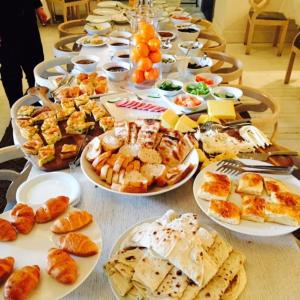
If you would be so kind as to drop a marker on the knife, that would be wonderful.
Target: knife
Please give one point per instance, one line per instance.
(265, 156)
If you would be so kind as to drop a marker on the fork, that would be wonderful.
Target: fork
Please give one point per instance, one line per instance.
(67, 82)
(215, 126)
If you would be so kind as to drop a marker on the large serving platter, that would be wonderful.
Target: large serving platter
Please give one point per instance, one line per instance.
(248, 227)
(33, 248)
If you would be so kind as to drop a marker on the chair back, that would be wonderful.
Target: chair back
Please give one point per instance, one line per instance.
(232, 72)
(67, 46)
(214, 42)
(258, 5)
(73, 27)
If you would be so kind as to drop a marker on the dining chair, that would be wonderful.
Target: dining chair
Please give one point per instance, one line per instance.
(15, 178)
(225, 65)
(257, 16)
(256, 101)
(295, 50)
(67, 46)
(73, 27)
(214, 42)
(70, 6)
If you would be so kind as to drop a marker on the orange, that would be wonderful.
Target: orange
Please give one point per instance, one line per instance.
(152, 74)
(134, 55)
(154, 44)
(144, 64)
(155, 56)
(142, 49)
(138, 76)
(137, 38)
(147, 31)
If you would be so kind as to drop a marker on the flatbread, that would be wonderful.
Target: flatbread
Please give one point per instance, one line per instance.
(169, 216)
(120, 283)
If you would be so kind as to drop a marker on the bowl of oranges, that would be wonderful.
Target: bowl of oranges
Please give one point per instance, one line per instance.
(145, 55)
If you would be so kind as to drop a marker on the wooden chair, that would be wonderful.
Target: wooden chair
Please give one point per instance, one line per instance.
(214, 42)
(258, 101)
(257, 16)
(67, 46)
(229, 73)
(70, 6)
(74, 27)
(295, 50)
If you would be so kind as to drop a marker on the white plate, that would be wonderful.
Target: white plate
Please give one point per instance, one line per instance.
(80, 42)
(89, 172)
(33, 248)
(98, 19)
(110, 4)
(105, 11)
(43, 187)
(248, 227)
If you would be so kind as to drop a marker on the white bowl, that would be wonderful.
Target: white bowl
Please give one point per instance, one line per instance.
(167, 67)
(112, 44)
(85, 67)
(122, 34)
(237, 93)
(204, 62)
(214, 77)
(117, 76)
(172, 35)
(117, 57)
(185, 108)
(184, 47)
(175, 18)
(193, 83)
(97, 28)
(188, 36)
(169, 93)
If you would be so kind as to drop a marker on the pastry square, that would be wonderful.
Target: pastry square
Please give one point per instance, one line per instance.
(79, 128)
(214, 187)
(81, 100)
(33, 145)
(286, 199)
(251, 183)
(67, 103)
(68, 151)
(274, 185)
(98, 112)
(224, 211)
(88, 107)
(107, 123)
(253, 208)
(76, 117)
(28, 132)
(24, 122)
(46, 154)
(52, 135)
(281, 214)
(43, 116)
(26, 110)
(48, 123)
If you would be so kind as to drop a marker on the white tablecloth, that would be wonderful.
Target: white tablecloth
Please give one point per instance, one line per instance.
(273, 264)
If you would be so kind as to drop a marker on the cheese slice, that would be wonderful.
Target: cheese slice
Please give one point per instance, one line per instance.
(169, 118)
(222, 109)
(185, 124)
(206, 118)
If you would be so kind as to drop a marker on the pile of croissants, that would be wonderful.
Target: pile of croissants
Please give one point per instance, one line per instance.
(60, 265)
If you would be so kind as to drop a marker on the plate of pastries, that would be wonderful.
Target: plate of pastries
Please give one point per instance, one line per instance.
(46, 251)
(147, 262)
(251, 203)
(52, 138)
(140, 157)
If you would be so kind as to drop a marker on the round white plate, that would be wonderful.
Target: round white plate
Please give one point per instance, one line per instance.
(248, 227)
(80, 42)
(89, 172)
(43, 187)
(105, 11)
(32, 249)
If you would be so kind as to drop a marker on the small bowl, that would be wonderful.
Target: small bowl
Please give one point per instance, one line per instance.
(119, 53)
(184, 47)
(204, 62)
(169, 93)
(209, 76)
(85, 63)
(235, 92)
(171, 35)
(117, 75)
(97, 28)
(191, 94)
(116, 44)
(200, 100)
(180, 18)
(167, 67)
(185, 35)
(122, 34)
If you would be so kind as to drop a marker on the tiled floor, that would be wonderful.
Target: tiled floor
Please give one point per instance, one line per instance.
(263, 70)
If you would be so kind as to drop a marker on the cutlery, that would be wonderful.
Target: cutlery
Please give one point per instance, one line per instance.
(216, 126)
(266, 155)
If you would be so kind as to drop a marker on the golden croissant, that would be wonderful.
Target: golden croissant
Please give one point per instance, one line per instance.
(78, 244)
(24, 218)
(73, 221)
(21, 283)
(61, 266)
(52, 209)
(6, 267)
(7, 231)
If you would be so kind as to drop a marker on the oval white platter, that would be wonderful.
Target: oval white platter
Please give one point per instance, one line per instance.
(32, 249)
(248, 227)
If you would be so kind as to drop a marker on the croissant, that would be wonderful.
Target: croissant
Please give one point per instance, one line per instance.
(7, 231)
(24, 218)
(78, 244)
(21, 283)
(52, 209)
(61, 266)
(6, 267)
(73, 221)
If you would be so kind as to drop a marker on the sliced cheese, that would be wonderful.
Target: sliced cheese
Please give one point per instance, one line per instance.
(169, 118)
(185, 124)
(206, 118)
(222, 109)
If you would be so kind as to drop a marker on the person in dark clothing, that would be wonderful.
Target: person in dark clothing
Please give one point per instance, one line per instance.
(20, 44)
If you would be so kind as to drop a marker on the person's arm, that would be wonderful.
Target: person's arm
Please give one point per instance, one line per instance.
(37, 4)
